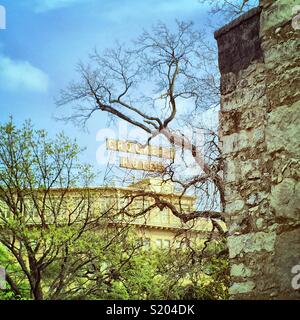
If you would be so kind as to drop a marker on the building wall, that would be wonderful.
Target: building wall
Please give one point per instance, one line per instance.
(260, 137)
(158, 228)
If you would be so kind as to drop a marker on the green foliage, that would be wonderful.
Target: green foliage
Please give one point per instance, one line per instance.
(8, 262)
(160, 274)
(50, 251)
(147, 274)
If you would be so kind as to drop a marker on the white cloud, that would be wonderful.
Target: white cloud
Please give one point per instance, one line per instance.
(47, 5)
(21, 75)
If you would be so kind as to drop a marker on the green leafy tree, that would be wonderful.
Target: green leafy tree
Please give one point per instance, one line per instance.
(170, 274)
(50, 243)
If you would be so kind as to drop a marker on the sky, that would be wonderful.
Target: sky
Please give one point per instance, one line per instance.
(45, 39)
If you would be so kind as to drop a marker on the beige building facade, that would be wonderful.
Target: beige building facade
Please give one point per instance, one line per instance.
(132, 206)
(156, 228)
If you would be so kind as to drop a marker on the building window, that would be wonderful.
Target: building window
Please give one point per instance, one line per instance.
(158, 243)
(166, 244)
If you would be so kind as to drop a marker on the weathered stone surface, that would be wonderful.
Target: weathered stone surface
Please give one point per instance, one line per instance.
(229, 143)
(255, 198)
(258, 135)
(283, 130)
(251, 169)
(260, 142)
(280, 52)
(277, 13)
(231, 120)
(285, 199)
(240, 270)
(242, 287)
(231, 172)
(245, 98)
(244, 139)
(228, 83)
(239, 48)
(259, 223)
(286, 258)
(235, 206)
(251, 242)
(252, 118)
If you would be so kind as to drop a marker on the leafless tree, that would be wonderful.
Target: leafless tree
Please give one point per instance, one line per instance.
(149, 86)
(229, 9)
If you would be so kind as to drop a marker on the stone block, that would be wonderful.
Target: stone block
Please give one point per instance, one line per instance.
(235, 206)
(231, 171)
(283, 129)
(241, 287)
(251, 242)
(277, 13)
(285, 199)
(240, 270)
(260, 123)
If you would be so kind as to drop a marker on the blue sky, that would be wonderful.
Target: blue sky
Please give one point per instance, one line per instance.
(44, 39)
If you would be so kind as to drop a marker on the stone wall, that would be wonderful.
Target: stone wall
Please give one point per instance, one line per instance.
(259, 60)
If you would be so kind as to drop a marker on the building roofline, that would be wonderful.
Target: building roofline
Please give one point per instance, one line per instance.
(111, 188)
(236, 22)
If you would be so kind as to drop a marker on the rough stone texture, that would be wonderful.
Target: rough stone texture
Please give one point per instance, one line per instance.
(251, 242)
(240, 270)
(242, 287)
(260, 132)
(239, 47)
